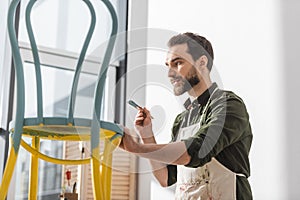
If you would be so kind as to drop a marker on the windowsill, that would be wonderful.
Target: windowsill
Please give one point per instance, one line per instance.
(61, 59)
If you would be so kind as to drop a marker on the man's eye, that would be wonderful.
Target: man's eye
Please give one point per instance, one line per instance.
(178, 63)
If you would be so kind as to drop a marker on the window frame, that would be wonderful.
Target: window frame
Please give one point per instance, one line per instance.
(68, 60)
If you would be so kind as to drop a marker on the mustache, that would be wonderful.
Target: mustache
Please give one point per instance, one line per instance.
(176, 78)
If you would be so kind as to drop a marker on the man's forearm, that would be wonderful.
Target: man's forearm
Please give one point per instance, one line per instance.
(160, 170)
(160, 154)
(172, 153)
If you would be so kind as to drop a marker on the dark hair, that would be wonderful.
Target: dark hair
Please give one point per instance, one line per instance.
(197, 46)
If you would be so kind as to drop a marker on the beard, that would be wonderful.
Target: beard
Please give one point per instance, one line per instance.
(183, 85)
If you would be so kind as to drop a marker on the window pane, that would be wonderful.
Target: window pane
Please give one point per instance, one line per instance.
(56, 25)
(49, 174)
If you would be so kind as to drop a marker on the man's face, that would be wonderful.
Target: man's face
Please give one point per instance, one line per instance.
(182, 73)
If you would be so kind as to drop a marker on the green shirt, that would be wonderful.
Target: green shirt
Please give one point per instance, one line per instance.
(225, 134)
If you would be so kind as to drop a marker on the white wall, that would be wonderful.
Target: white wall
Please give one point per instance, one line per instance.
(290, 21)
(251, 57)
(5, 64)
(136, 79)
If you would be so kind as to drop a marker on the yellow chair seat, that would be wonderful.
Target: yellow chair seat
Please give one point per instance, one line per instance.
(64, 132)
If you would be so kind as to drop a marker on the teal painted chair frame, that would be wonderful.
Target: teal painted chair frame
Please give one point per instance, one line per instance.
(60, 128)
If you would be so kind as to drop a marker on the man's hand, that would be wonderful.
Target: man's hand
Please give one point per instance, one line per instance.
(143, 123)
(128, 142)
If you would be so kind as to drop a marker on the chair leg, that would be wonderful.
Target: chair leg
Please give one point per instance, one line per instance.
(8, 172)
(96, 175)
(106, 169)
(34, 166)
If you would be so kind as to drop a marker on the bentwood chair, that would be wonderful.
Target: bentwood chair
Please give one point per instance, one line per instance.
(66, 128)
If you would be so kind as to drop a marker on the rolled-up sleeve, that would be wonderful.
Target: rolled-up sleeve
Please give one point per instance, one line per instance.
(224, 124)
(172, 174)
(172, 169)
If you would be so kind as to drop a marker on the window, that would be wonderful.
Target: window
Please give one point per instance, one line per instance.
(56, 25)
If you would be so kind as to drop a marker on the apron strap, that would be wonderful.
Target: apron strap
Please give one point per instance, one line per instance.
(239, 174)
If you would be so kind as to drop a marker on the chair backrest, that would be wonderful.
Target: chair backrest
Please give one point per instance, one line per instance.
(20, 85)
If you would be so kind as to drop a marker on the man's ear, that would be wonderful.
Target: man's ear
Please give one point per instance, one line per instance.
(202, 62)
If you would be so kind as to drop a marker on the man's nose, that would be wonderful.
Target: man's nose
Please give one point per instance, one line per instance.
(172, 72)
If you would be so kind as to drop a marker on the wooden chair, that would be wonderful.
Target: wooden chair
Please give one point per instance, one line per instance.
(62, 128)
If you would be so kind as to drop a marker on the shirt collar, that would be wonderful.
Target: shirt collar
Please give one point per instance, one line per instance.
(202, 99)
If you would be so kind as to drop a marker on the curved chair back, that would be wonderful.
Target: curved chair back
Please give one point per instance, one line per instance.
(19, 68)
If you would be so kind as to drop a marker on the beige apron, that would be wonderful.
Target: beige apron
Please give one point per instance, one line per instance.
(213, 181)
